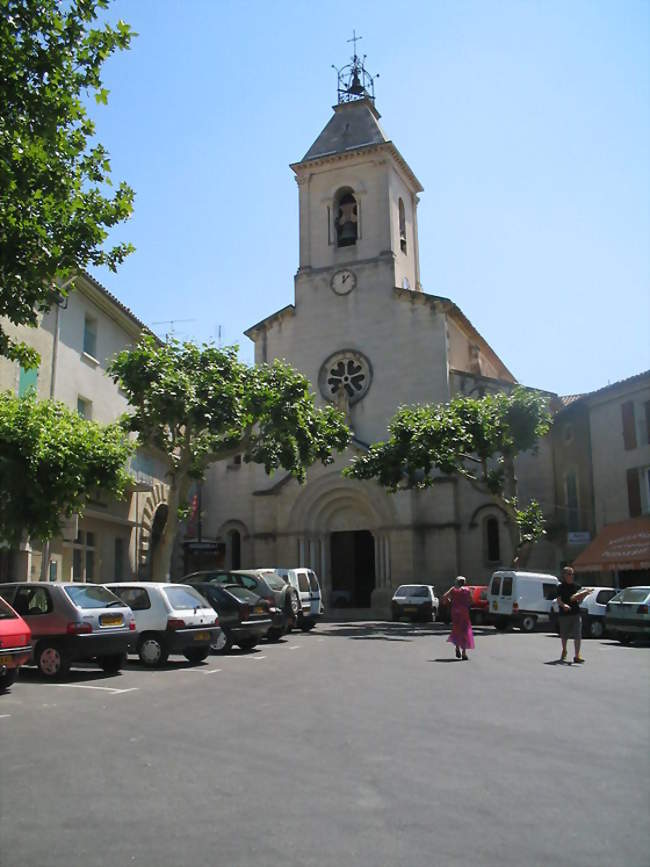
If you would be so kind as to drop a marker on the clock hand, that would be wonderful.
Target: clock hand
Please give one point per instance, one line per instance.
(344, 278)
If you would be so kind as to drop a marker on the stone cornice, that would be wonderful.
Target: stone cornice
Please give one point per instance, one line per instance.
(278, 316)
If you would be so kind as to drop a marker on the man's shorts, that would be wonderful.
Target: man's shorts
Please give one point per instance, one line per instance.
(570, 626)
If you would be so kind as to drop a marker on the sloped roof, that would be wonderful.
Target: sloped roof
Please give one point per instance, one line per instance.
(352, 126)
(569, 399)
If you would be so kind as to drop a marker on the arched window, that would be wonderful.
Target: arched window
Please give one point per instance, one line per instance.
(402, 227)
(235, 549)
(492, 540)
(346, 219)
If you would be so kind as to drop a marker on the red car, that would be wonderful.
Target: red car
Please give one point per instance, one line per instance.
(15, 644)
(477, 612)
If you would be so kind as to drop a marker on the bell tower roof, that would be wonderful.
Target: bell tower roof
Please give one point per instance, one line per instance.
(354, 125)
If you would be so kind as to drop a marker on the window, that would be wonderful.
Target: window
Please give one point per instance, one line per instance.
(84, 407)
(402, 227)
(92, 597)
(184, 597)
(83, 557)
(638, 491)
(549, 591)
(346, 219)
(604, 596)
(492, 540)
(135, 597)
(629, 429)
(118, 568)
(496, 585)
(303, 582)
(506, 590)
(27, 381)
(32, 601)
(571, 497)
(90, 336)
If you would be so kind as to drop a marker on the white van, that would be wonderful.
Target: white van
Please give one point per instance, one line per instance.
(520, 598)
(306, 583)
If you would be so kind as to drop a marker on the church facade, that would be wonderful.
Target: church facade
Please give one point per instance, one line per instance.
(369, 339)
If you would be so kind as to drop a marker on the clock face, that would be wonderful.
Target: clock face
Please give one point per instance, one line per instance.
(343, 281)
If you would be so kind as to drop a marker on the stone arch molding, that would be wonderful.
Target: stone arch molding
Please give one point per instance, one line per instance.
(157, 497)
(334, 503)
(229, 526)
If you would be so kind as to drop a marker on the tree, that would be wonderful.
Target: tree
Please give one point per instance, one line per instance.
(54, 216)
(197, 405)
(51, 462)
(475, 438)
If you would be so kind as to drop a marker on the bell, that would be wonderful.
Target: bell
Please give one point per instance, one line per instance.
(347, 234)
(355, 87)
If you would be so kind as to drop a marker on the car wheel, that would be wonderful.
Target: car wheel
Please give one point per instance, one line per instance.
(293, 602)
(197, 655)
(8, 678)
(152, 651)
(111, 664)
(307, 625)
(527, 623)
(223, 643)
(596, 628)
(247, 643)
(52, 661)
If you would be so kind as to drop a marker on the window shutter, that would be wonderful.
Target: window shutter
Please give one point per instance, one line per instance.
(634, 493)
(629, 432)
(647, 421)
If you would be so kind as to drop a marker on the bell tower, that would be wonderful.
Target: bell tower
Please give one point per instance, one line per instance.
(357, 195)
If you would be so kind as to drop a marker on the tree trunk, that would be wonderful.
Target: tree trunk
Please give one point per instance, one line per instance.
(510, 493)
(178, 489)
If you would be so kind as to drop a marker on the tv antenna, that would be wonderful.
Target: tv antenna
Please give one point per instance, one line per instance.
(171, 323)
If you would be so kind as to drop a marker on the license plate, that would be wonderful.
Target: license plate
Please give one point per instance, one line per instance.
(495, 606)
(111, 620)
(202, 636)
(6, 660)
(410, 608)
(259, 609)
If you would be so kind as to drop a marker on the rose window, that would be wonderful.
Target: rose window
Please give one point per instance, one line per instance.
(345, 376)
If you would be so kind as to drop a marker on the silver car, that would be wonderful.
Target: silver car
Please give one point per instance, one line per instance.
(70, 622)
(628, 614)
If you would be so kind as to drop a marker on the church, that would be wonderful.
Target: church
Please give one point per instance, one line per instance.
(369, 339)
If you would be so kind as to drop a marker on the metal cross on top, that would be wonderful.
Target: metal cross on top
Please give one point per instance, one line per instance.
(355, 39)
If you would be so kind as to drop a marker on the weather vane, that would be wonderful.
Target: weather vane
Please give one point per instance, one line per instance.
(354, 81)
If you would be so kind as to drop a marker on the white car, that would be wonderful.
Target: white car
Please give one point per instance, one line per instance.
(169, 618)
(415, 601)
(628, 614)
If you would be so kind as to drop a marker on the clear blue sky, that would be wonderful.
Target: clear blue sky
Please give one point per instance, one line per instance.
(526, 122)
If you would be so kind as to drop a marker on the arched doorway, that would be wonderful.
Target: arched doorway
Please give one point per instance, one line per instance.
(352, 567)
(234, 539)
(157, 570)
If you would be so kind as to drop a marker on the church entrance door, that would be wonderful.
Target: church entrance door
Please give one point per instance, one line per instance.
(353, 568)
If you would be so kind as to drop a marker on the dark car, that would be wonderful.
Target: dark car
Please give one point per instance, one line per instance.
(243, 616)
(72, 621)
(282, 599)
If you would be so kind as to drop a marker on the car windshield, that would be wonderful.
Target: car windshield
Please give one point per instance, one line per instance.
(6, 613)
(184, 597)
(405, 590)
(92, 596)
(633, 594)
(242, 594)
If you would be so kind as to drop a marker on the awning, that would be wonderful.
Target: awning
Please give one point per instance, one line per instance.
(618, 547)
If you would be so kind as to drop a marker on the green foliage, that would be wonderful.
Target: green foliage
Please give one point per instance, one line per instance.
(200, 404)
(51, 462)
(54, 215)
(477, 438)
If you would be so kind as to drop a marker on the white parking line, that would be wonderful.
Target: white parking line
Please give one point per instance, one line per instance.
(113, 690)
(5, 715)
(199, 670)
(294, 647)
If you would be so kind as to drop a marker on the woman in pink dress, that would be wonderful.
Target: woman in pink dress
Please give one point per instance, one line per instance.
(461, 635)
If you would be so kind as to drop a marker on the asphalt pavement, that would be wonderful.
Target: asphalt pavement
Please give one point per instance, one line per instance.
(357, 744)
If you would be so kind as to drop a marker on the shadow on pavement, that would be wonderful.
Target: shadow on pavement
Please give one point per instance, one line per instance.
(80, 674)
(389, 631)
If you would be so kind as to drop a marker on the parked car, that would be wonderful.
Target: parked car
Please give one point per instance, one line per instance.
(592, 609)
(71, 622)
(169, 618)
(244, 617)
(282, 600)
(15, 644)
(415, 601)
(478, 611)
(628, 614)
(520, 598)
(305, 583)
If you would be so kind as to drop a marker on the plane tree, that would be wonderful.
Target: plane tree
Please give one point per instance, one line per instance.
(476, 439)
(197, 405)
